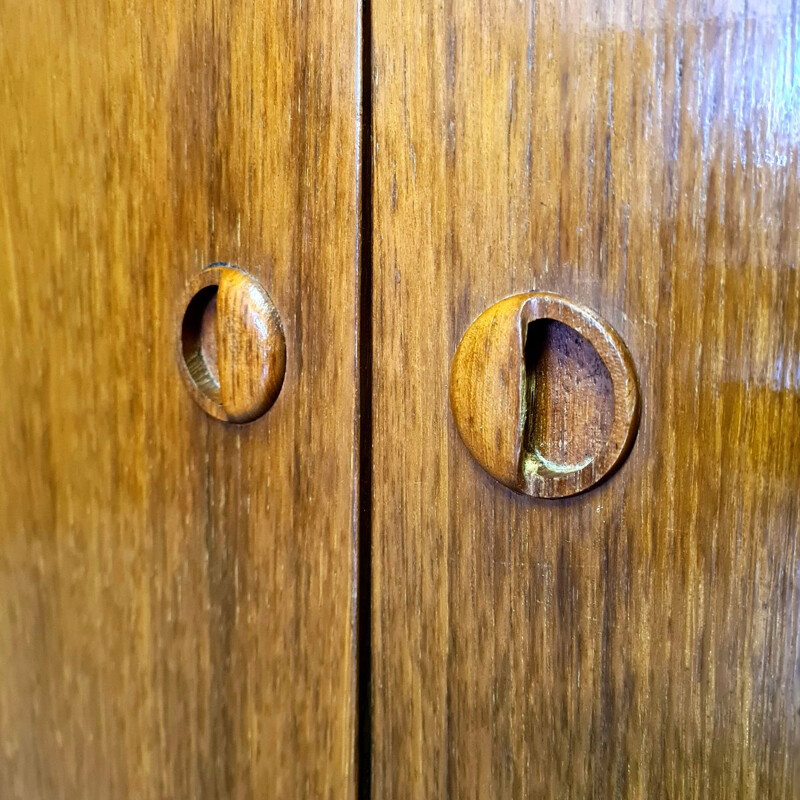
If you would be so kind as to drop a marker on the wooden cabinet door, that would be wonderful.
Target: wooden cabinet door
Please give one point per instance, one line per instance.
(640, 640)
(176, 594)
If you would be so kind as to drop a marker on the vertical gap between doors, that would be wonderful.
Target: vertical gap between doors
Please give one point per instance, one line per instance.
(363, 623)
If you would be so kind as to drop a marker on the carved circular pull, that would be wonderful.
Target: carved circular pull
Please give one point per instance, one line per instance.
(544, 395)
(232, 348)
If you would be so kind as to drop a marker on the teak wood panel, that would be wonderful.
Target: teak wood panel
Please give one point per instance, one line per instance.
(176, 594)
(639, 640)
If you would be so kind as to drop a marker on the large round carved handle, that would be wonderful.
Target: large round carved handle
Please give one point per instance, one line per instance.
(544, 395)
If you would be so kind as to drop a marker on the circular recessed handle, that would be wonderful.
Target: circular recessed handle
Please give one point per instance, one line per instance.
(544, 395)
(232, 348)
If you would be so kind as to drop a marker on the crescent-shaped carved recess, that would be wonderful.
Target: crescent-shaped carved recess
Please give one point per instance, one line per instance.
(544, 395)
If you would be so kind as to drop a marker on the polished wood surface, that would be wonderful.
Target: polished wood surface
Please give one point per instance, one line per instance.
(639, 640)
(544, 394)
(176, 594)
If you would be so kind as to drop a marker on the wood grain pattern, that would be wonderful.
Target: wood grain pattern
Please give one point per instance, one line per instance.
(640, 640)
(544, 394)
(177, 594)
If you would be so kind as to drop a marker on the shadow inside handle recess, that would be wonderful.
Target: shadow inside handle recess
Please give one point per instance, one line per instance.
(568, 401)
(199, 341)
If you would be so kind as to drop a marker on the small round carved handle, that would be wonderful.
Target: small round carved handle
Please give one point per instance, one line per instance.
(544, 395)
(232, 348)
